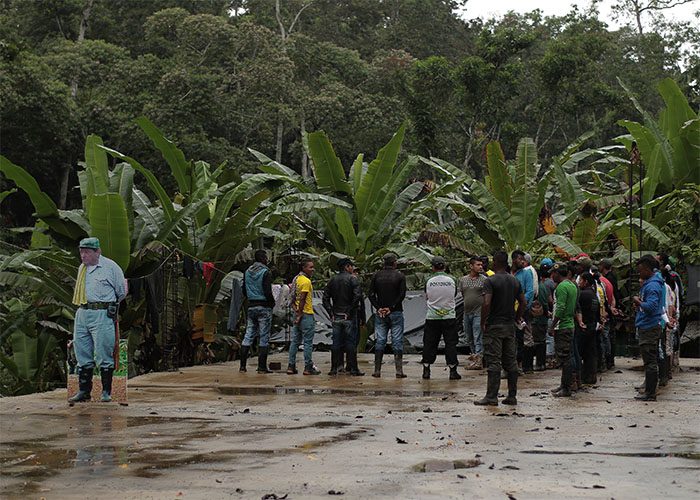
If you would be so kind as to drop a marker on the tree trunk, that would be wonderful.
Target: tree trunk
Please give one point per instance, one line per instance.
(304, 157)
(65, 170)
(280, 132)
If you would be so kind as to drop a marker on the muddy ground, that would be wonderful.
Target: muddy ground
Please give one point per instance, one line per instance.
(212, 432)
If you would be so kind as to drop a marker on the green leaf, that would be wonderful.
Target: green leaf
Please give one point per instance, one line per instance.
(165, 202)
(378, 174)
(499, 182)
(585, 232)
(180, 168)
(96, 164)
(356, 173)
(497, 214)
(44, 206)
(110, 224)
(7, 193)
(328, 171)
(561, 241)
(346, 229)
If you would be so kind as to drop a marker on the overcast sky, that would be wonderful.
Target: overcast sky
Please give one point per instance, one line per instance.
(491, 8)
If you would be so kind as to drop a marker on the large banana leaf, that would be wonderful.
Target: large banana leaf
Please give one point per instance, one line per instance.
(356, 173)
(47, 284)
(44, 206)
(499, 182)
(344, 223)
(497, 214)
(378, 174)
(110, 224)
(122, 183)
(561, 241)
(148, 222)
(524, 201)
(328, 171)
(96, 165)
(165, 202)
(585, 232)
(372, 223)
(180, 168)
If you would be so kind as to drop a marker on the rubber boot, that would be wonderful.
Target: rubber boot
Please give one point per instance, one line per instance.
(426, 372)
(378, 356)
(334, 362)
(566, 376)
(106, 376)
(528, 355)
(245, 350)
(650, 392)
(292, 370)
(512, 389)
(453, 373)
(663, 373)
(398, 363)
(352, 361)
(492, 385)
(262, 360)
(84, 386)
(669, 367)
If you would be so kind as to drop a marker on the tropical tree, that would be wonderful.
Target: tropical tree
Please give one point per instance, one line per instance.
(371, 207)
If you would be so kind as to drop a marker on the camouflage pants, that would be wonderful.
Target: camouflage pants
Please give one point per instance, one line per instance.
(500, 348)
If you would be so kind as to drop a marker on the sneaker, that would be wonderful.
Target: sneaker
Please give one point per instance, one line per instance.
(292, 370)
(106, 397)
(312, 370)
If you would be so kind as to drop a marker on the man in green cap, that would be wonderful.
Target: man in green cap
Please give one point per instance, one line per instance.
(99, 288)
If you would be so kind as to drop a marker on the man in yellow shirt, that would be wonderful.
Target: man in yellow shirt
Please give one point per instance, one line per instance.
(304, 323)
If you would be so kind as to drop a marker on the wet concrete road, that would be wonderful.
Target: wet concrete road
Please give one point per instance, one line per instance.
(211, 432)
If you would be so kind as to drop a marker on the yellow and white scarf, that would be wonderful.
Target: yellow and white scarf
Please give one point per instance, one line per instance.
(80, 292)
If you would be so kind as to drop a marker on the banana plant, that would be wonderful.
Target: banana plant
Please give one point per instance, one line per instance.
(368, 209)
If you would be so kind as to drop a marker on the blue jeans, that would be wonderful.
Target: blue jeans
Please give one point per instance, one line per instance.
(259, 322)
(344, 335)
(93, 337)
(304, 331)
(472, 329)
(381, 329)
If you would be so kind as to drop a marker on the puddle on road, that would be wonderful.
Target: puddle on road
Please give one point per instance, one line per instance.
(445, 465)
(677, 454)
(281, 391)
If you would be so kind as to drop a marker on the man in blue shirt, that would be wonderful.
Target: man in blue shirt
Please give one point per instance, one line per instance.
(527, 285)
(650, 307)
(99, 288)
(257, 288)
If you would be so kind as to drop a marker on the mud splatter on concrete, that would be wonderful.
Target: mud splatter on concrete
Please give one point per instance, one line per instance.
(210, 431)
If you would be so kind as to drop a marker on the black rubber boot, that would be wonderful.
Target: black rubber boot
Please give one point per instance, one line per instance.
(669, 367)
(245, 350)
(398, 363)
(84, 386)
(492, 385)
(566, 377)
(378, 356)
(334, 363)
(262, 360)
(663, 373)
(426, 372)
(512, 389)
(352, 361)
(106, 376)
(650, 392)
(454, 375)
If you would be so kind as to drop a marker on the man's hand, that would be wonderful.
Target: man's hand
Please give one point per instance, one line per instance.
(582, 324)
(637, 301)
(297, 320)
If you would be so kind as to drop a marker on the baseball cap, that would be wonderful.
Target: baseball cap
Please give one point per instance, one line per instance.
(93, 243)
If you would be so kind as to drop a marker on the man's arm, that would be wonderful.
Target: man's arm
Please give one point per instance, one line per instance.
(485, 309)
(522, 305)
(529, 288)
(119, 283)
(267, 287)
(326, 298)
(651, 302)
(372, 294)
(402, 292)
(356, 292)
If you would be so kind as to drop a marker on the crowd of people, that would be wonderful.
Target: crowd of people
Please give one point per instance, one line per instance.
(510, 313)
